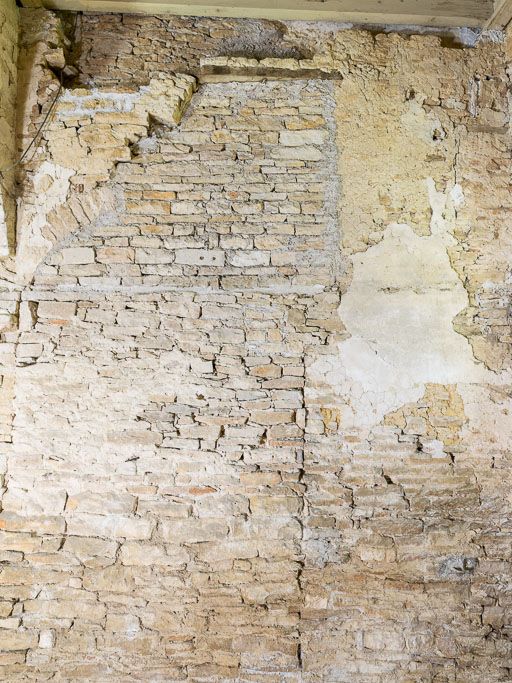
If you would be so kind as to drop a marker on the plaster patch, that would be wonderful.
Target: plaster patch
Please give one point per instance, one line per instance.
(92, 102)
(488, 430)
(399, 311)
(421, 125)
(166, 97)
(457, 196)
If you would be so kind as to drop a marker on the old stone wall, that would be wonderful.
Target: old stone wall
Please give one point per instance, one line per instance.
(8, 83)
(257, 362)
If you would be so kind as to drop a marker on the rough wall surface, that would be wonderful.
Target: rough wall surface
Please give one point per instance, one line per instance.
(8, 82)
(260, 349)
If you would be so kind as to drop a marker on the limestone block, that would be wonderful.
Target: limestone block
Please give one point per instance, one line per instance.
(249, 259)
(185, 208)
(200, 257)
(109, 526)
(139, 554)
(299, 138)
(300, 153)
(77, 256)
(21, 640)
(60, 310)
(91, 502)
(193, 530)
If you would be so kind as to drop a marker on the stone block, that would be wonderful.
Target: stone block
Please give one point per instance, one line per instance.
(299, 138)
(249, 259)
(76, 256)
(193, 530)
(109, 526)
(58, 310)
(200, 257)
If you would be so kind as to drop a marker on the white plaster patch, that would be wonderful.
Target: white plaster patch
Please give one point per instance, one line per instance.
(457, 195)
(165, 97)
(399, 311)
(422, 125)
(94, 101)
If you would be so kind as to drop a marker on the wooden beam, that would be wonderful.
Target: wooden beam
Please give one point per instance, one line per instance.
(420, 12)
(501, 16)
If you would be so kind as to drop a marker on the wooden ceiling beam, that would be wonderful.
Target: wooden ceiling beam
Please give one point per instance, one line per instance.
(471, 13)
(501, 16)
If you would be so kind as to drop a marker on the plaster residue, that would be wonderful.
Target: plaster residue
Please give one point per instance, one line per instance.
(385, 157)
(438, 417)
(399, 311)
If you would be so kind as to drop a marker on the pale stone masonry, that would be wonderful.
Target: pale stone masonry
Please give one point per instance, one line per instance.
(8, 82)
(256, 357)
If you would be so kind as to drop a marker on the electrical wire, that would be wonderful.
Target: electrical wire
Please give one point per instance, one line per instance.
(38, 133)
(46, 118)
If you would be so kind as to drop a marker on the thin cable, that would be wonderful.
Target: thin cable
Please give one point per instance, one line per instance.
(47, 116)
(38, 133)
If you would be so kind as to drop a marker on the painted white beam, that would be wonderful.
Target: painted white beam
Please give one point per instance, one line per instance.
(420, 12)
